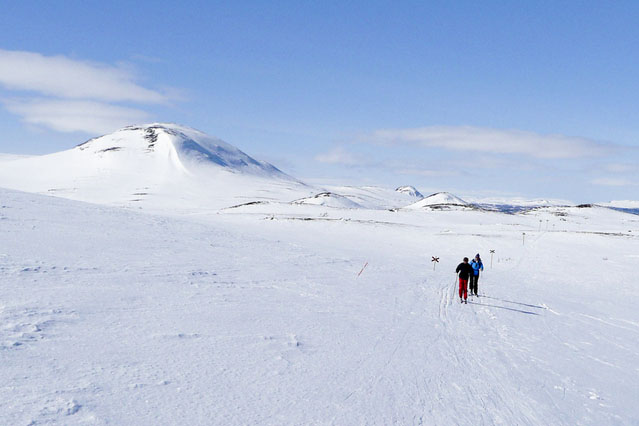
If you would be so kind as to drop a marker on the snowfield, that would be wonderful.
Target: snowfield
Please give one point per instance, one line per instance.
(110, 316)
(243, 307)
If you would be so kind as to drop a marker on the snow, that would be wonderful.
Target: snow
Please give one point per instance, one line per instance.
(518, 202)
(624, 204)
(11, 157)
(438, 199)
(410, 190)
(215, 299)
(115, 316)
(153, 166)
(372, 197)
(328, 199)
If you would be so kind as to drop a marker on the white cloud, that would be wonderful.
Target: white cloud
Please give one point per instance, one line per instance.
(339, 155)
(63, 77)
(467, 138)
(75, 116)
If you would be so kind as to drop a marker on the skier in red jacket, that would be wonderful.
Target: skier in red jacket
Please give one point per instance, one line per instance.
(464, 271)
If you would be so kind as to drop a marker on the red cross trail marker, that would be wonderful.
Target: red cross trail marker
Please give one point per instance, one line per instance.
(435, 261)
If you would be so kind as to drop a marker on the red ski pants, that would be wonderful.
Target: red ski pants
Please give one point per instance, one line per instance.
(463, 288)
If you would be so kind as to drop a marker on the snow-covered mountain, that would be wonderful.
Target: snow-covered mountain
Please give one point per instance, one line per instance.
(439, 200)
(155, 164)
(329, 199)
(518, 202)
(410, 190)
(179, 146)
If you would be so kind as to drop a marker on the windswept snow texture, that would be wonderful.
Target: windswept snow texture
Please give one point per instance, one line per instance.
(154, 166)
(110, 316)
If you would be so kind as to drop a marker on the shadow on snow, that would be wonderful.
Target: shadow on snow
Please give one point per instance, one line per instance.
(503, 307)
(517, 303)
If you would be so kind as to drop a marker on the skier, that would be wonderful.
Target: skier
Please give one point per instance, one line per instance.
(477, 265)
(464, 271)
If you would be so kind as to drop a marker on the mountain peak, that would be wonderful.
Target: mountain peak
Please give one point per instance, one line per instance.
(409, 190)
(439, 199)
(180, 144)
(157, 164)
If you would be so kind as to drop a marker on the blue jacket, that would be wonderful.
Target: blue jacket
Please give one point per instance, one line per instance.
(476, 266)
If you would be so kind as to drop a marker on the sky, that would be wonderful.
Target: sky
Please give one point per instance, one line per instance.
(483, 99)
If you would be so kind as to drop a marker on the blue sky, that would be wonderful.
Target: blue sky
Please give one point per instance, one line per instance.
(533, 99)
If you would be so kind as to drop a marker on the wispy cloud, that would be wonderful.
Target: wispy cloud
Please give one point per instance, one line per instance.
(69, 78)
(620, 167)
(613, 182)
(339, 155)
(70, 95)
(74, 116)
(427, 172)
(479, 139)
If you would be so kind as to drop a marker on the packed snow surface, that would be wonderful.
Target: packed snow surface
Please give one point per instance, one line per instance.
(301, 314)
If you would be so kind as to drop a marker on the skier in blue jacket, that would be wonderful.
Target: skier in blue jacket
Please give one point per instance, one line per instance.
(477, 265)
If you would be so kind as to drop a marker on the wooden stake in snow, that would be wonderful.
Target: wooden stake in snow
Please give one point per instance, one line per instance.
(435, 261)
(363, 267)
(492, 252)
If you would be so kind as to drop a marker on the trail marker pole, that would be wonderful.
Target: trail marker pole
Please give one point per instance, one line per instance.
(523, 238)
(492, 252)
(363, 267)
(435, 261)
(540, 225)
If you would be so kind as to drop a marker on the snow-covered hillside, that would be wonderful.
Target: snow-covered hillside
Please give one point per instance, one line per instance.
(438, 200)
(409, 190)
(328, 199)
(623, 204)
(518, 202)
(155, 166)
(313, 315)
